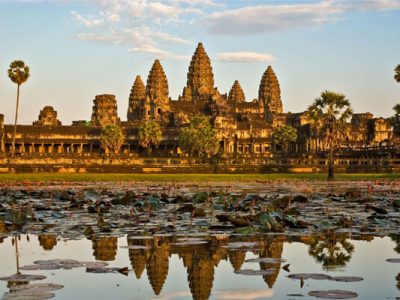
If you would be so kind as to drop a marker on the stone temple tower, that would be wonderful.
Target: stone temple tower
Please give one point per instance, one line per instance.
(200, 77)
(269, 93)
(236, 94)
(157, 94)
(104, 110)
(136, 100)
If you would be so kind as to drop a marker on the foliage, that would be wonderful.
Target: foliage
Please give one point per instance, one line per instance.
(111, 137)
(333, 250)
(283, 135)
(149, 134)
(328, 115)
(397, 73)
(395, 119)
(18, 72)
(199, 137)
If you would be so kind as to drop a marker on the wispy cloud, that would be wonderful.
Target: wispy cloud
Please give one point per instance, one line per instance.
(231, 295)
(275, 17)
(244, 57)
(142, 25)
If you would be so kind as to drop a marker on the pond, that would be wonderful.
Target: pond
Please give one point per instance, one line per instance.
(260, 240)
(215, 267)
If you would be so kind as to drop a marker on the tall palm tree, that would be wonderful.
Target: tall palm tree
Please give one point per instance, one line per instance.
(397, 73)
(19, 74)
(328, 115)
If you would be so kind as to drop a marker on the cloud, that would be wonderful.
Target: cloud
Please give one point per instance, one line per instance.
(244, 57)
(88, 21)
(159, 53)
(276, 17)
(231, 295)
(268, 18)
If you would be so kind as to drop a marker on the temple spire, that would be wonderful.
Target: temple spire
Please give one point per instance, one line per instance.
(200, 77)
(236, 94)
(157, 84)
(137, 95)
(269, 92)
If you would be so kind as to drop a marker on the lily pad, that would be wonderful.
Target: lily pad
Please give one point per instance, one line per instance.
(305, 276)
(26, 296)
(333, 294)
(393, 260)
(266, 260)
(239, 245)
(255, 272)
(36, 287)
(346, 278)
(22, 277)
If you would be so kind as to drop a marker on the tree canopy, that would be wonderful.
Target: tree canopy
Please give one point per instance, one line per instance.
(397, 73)
(18, 72)
(199, 137)
(328, 115)
(111, 137)
(149, 134)
(283, 135)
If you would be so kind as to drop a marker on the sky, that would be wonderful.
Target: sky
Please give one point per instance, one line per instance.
(79, 49)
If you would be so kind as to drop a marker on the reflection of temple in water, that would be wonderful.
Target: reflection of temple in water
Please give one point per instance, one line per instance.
(157, 263)
(105, 248)
(47, 241)
(139, 256)
(200, 260)
(271, 247)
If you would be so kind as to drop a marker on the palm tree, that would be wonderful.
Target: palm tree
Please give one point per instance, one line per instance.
(18, 73)
(111, 138)
(332, 249)
(397, 73)
(328, 115)
(149, 135)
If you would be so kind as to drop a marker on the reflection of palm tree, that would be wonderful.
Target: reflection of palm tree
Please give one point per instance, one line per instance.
(398, 281)
(396, 238)
(332, 250)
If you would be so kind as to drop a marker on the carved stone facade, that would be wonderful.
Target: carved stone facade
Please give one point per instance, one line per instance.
(105, 111)
(47, 117)
(136, 100)
(244, 128)
(200, 77)
(269, 92)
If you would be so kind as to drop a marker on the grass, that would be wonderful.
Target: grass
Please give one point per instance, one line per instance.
(93, 177)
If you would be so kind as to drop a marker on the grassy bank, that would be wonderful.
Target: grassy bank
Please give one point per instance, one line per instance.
(188, 177)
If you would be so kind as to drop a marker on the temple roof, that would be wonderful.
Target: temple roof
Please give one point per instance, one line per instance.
(200, 77)
(236, 94)
(157, 83)
(269, 92)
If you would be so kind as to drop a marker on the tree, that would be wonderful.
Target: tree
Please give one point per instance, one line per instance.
(199, 137)
(19, 74)
(397, 73)
(149, 135)
(111, 138)
(283, 135)
(395, 119)
(328, 115)
(332, 249)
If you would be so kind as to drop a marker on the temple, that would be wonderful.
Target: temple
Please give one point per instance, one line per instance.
(244, 127)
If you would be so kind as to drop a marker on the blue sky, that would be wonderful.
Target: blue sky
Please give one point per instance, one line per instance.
(78, 49)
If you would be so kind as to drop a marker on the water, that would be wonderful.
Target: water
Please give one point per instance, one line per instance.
(170, 267)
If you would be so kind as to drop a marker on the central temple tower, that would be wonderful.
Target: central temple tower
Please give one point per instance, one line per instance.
(200, 77)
